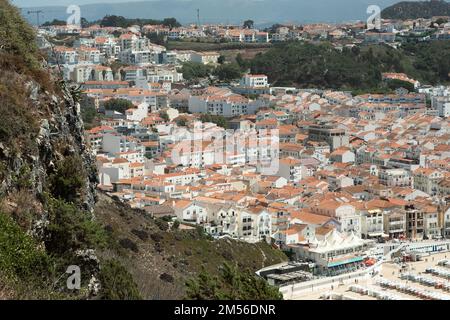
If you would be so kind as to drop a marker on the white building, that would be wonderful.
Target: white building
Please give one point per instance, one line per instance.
(254, 81)
(336, 252)
(205, 57)
(139, 113)
(291, 169)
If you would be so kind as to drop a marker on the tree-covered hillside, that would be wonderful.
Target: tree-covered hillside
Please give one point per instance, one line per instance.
(322, 66)
(416, 9)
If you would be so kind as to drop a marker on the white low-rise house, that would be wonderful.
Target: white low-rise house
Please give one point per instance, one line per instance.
(345, 213)
(81, 73)
(65, 55)
(134, 73)
(195, 154)
(262, 223)
(205, 57)
(395, 177)
(187, 210)
(254, 81)
(297, 233)
(132, 156)
(158, 187)
(115, 143)
(372, 223)
(138, 57)
(227, 218)
(427, 180)
(339, 181)
(181, 178)
(165, 75)
(114, 171)
(291, 169)
(91, 55)
(343, 155)
(431, 223)
(153, 167)
(228, 105)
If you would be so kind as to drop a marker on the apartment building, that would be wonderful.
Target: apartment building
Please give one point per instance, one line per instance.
(335, 137)
(395, 177)
(427, 180)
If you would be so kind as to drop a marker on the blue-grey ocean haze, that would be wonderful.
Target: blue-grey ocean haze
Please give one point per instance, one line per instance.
(214, 11)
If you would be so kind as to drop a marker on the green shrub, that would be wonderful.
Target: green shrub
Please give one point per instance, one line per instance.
(16, 36)
(119, 105)
(228, 72)
(71, 229)
(117, 283)
(232, 284)
(19, 256)
(23, 179)
(66, 183)
(14, 109)
(129, 244)
(196, 70)
(162, 224)
(218, 120)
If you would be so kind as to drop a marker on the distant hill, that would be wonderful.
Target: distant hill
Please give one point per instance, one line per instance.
(417, 9)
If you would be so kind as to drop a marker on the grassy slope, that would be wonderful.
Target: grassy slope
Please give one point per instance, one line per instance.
(180, 254)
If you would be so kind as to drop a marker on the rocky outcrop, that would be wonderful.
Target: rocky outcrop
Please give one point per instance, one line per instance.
(60, 135)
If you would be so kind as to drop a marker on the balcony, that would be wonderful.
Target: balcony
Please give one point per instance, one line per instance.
(397, 230)
(397, 225)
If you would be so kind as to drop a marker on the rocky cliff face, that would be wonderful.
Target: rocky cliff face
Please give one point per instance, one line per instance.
(40, 121)
(60, 134)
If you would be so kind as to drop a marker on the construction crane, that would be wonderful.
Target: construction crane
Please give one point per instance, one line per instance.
(198, 18)
(37, 12)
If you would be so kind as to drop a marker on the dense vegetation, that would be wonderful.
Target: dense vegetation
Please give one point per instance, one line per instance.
(224, 71)
(322, 66)
(43, 220)
(218, 120)
(119, 283)
(119, 21)
(228, 72)
(91, 118)
(231, 284)
(163, 258)
(54, 22)
(195, 70)
(119, 105)
(416, 9)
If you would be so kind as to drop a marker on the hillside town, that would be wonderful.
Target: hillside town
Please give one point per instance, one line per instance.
(325, 175)
(246, 152)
